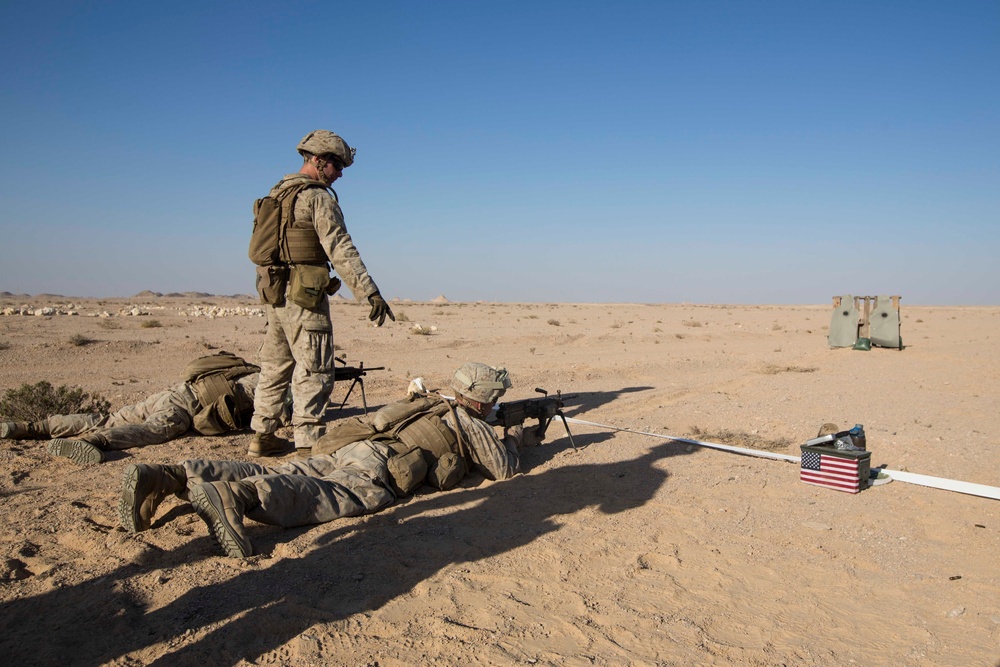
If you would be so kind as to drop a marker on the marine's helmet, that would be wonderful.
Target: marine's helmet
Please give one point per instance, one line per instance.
(480, 382)
(324, 142)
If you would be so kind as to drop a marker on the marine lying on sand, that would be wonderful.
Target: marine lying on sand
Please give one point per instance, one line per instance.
(215, 397)
(360, 466)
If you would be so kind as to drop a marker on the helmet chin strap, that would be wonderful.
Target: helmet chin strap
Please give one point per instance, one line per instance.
(471, 405)
(320, 165)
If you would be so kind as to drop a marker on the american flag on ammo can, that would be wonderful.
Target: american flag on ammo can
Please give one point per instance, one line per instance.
(834, 472)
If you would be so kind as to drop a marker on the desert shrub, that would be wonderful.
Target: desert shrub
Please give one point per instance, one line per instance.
(80, 340)
(402, 317)
(151, 324)
(554, 323)
(4, 345)
(109, 324)
(31, 402)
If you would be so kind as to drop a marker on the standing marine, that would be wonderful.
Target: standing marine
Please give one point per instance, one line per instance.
(299, 232)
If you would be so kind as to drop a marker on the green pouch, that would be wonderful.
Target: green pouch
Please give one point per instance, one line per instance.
(308, 285)
(218, 418)
(863, 344)
(271, 281)
(407, 471)
(447, 471)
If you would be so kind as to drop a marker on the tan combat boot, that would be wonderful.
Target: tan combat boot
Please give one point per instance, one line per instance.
(76, 451)
(23, 430)
(144, 487)
(222, 506)
(269, 444)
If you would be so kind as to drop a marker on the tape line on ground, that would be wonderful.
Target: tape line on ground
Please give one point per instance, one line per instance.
(969, 488)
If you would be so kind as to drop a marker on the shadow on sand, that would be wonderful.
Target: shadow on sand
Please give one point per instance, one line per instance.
(353, 569)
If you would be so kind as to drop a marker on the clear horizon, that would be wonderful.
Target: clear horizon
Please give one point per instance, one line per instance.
(638, 152)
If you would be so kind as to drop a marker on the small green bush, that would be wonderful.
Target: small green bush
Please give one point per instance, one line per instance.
(151, 324)
(31, 402)
(80, 340)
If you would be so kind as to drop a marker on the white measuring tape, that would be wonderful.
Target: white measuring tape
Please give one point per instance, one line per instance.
(981, 490)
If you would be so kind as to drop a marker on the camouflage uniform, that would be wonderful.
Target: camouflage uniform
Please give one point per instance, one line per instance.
(298, 346)
(352, 481)
(159, 418)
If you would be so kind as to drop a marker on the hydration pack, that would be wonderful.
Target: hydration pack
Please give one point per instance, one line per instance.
(272, 216)
(213, 379)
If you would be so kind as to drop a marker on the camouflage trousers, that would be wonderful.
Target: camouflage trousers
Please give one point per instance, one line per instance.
(297, 352)
(350, 482)
(159, 418)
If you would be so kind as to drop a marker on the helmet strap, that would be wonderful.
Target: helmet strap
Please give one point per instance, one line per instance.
(475, 407)
(320, 165)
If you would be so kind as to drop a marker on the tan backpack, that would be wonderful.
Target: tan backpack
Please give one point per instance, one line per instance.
(212, 377)
(271, 217)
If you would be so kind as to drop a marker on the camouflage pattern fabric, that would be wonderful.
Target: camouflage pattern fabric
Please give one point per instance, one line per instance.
(350, 482)
(492, 457)
(317, 209)
(297, 352)
(298, 347)
(161, 417)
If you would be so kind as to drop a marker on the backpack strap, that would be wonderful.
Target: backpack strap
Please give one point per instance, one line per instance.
(286, 198)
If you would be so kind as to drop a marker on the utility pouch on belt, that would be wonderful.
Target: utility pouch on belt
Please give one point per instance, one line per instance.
(217, 418)
(308, 285)
(447, 471)
(407, 471)
(271, 281)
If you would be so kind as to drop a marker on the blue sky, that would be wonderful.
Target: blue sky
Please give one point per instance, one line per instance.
(703, 151)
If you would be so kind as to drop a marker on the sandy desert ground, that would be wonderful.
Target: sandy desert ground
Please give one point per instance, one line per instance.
(627, 550)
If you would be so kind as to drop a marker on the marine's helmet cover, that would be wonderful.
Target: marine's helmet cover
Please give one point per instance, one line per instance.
(324, 142)
(480, 382)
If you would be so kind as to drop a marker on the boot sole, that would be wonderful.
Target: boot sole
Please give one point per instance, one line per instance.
(76, 451)
(208, 505)
(128, 508)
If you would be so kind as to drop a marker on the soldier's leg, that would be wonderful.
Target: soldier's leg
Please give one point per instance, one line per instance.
(160, 418)
(355, 482)
(201, 471)
(312, 379)
(65, 426)
(36, 430)
(276, 363)
(145, 486)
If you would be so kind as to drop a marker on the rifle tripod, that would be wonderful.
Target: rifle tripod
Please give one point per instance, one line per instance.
(357, 377)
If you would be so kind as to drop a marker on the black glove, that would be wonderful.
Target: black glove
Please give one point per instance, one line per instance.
(380, 309)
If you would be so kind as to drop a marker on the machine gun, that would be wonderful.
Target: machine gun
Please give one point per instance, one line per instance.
(357, 376)
(514, 413)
